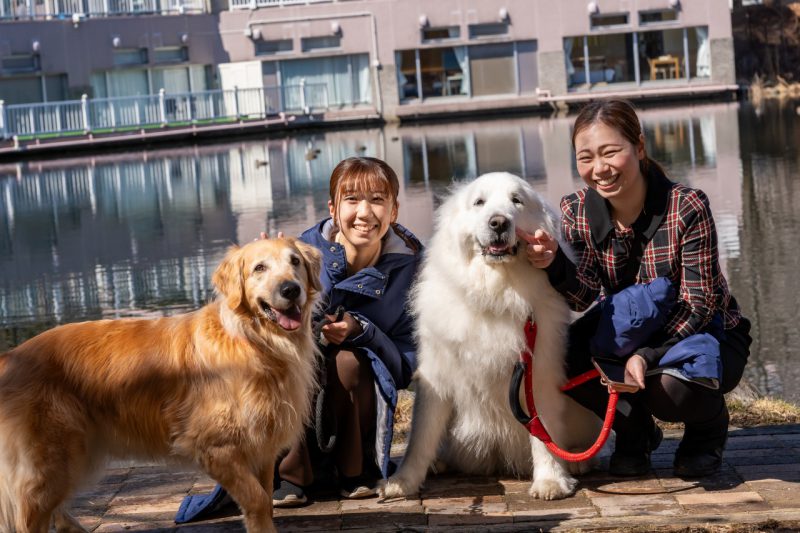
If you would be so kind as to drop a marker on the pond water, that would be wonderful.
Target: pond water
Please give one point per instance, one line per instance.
(140, 232)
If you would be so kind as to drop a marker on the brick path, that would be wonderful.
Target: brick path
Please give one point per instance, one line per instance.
(760, 481)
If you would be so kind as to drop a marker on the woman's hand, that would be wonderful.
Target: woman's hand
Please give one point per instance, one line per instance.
(541, 247)
(337, 332)
(635, 368)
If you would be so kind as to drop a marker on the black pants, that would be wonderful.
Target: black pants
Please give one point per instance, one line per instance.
(702, 410)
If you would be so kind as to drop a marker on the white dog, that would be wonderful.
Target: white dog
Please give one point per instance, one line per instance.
(475, 292)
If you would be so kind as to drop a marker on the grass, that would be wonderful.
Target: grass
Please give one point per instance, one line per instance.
(745, 413)
(768, 526)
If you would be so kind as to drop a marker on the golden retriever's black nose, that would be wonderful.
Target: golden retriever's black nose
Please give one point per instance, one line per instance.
(499, 223)
(290, 290)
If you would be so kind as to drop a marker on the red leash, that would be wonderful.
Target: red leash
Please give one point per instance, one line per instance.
(533, 423)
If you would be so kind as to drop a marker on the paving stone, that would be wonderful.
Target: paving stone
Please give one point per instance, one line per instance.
(467, 511)
(636, 505)
(457, 486)
(721, 482)
(625, 486)
(396, 515)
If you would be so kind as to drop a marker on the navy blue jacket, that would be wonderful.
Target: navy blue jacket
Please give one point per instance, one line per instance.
(377, 297)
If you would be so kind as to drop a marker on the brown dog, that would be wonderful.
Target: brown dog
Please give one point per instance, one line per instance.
(226, 387)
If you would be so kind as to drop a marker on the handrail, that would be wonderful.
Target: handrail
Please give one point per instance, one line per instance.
(126, 113)
(78, 10)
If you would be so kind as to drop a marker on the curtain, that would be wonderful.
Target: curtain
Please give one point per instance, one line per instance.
(173, 80)
(127, 83)
(362, 73)
(463, 62)
(320, 75)
(568, 56)
(703, 53)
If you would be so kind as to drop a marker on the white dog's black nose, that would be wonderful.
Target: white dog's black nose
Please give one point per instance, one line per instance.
(499, 223)
(290, 290)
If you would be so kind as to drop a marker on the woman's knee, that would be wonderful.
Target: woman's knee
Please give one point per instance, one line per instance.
(674, 400)
(350, 369)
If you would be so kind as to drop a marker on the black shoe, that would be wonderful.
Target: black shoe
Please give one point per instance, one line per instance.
(699, 453)
(287, 494)
(635, 463)
(698, 464)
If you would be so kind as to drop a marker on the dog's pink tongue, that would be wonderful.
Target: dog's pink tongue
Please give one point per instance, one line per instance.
(289, 319)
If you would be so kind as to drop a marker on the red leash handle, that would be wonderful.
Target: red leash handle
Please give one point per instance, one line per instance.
(534, 424)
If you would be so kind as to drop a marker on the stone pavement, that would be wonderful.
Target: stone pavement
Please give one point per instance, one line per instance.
(760, 481)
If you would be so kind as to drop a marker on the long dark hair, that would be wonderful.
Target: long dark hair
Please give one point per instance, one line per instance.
(620, 115)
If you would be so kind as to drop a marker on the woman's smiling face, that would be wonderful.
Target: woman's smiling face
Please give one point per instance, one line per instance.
(363, 217)
(608, 162)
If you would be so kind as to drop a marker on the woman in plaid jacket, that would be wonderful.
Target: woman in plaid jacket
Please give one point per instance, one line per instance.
(631, 224)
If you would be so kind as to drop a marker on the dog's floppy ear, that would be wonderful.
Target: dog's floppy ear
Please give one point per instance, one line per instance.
(228, 278)
(313, 260)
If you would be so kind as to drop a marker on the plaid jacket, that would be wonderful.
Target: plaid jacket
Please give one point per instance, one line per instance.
(674, 237)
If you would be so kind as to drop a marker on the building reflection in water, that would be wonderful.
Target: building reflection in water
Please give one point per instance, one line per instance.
(140, 233)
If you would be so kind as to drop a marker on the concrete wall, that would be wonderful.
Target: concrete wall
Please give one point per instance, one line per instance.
(377, 27)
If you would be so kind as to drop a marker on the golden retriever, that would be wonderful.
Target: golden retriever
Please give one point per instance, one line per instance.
(226, 387)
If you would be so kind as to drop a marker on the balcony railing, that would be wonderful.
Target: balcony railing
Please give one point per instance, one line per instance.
(253, 4)
(132, 113)
(79, 9)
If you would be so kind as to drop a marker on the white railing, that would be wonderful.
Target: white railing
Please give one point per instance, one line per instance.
(253, 4)
(108, 115)
(78, 9)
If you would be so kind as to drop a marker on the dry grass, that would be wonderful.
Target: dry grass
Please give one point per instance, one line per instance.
(745, 412)
(768, 526)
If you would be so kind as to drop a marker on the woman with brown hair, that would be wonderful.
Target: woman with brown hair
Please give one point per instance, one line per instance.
(628, 226)
(369, 262)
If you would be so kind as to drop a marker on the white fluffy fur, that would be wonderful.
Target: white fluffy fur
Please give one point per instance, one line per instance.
(470, 312)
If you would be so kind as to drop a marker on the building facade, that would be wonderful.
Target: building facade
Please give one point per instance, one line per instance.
(395, 59)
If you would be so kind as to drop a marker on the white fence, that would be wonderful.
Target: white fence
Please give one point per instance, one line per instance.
(77, 9)
(253, 4)
(107, 115)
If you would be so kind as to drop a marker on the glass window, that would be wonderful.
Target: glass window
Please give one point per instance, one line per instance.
(699, 52)
(134, 56)
(15, 64)
(407, 74)
(340, 80)
(608, 19)
(127, 83)
(492, 69)
(528, 66)
(173, 54)
(488, 30)
(661, 55)
(610, 59)
(279, 46)
(309, 44)
(440, 33)
(444, 71)
(573, 57)
(662, 15)
(26, 90)
(55, 87)
(172, 80)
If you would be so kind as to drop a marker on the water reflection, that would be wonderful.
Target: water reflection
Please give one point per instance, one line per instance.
(141, 233)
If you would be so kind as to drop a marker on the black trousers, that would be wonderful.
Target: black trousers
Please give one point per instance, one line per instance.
(702, 410)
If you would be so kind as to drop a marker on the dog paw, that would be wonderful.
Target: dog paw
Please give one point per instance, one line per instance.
(553, 488)
(395, 487)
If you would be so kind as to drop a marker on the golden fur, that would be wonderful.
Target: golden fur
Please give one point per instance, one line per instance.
(225, 387)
